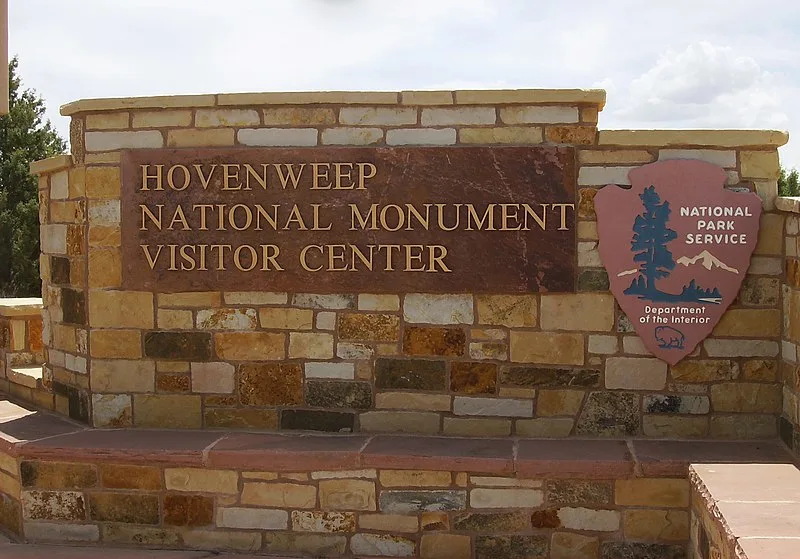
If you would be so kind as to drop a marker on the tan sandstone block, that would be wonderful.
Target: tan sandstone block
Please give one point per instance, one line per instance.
(286, 318)
(347, 494)
(399, 422)
(759, 164)
(664, 492)
(581, 311)
(460, 115)
(310, 345)
(746, 397)
(559, 402)
(426, 97)
(476, 427)
(378, 116)
(174, 411)
(421, 136)
(539, 114)
(655, 525)
(102, 182)
(299, 116)
(162, 119)
(121, 309)
(388, 523)
(505, 498)
(636, 373)
(107, 121)
(615, 157)
(749, 323)
(370, 302)
(174, 319)
(189, 299)
(568, 545)
(125, 344)
(104, 236)
(501, 135)
(196, 138)
(351, 136)
(412, 401)
(250, 346)
(123, 375)
(770, 235)
(445, 546)
(212, 118)
(544, 347)
(199, 480)
(105, 268)
(414, 478)
(507, 310)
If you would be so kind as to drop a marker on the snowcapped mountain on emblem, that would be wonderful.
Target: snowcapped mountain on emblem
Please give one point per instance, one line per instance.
(707, 260)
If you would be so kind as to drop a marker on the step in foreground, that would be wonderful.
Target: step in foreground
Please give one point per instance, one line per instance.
(351, 495)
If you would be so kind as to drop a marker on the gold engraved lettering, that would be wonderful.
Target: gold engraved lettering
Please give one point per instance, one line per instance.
(248, 221)
(355, 214)
(563, 208)
(158, 177)
(151, 260)
(180, 217)
(401, 218)
(260, 179)
(237, 258)
(290, 174)
(303, 254)
(442, 226)
(423, 221)
(317, 226)
(147, 213)
(411, 258)
(203, 208)
(296, 217)
(540, 220)
(317, 174)
(187, 258)
(271, 219)
(221, 217)
(336, 254)
(171, 177)
(488, 216)
(204, 180)
(228, 176)
(172, 250)
(388, 248)
(365, 171)
(339, 174)
(434, 259)
(269, 255)
(506, 217)
(356, 252)
(221, 255)
(202, 265)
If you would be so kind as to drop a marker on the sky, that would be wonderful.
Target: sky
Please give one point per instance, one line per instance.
(664, 64)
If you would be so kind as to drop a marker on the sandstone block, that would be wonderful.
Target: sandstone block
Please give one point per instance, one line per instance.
(326, 321)
(721, 158)
(167, 411)
(538, 114)
(189, 299)
(319, 521)
(255, 298)
(388, 523)
(188, 510)
(582, 311)
(668, 403)
(108, 141)
(111, 410)
(426, 97)
(741, 348)
(107, 121)
(438, 309)
(53, 505)
(121, 507)
(461, 115)
(195, 138)
(580, 518)
(675, 426)
(213, 378)
(125, 344)
(544, 347)
(507, 310)
(226, 319)
(123, 476)
(589, 255)
(558, 402)
(347, 494)
(601, 176)
(376, 327)
(411, 502)
(174, 319)
(250, 346)
(102, 182)
(211, 118)
(614, 156)
(746, 397)
(501, 135)
(704, 370)
(277, 136)
(330, 370)
(53, 239)
(299, 116)
(338, 394)
(759, 164)
(121, 309)
(56, 475)
(420, 340)
(162, 119)
(635, 373)
(603, 345)
(252, 518)
(476, 427)
(492, 407)
(414, 478)
(219, 539)
(310, 345)
(286, 318)
(121, 375)
(656, 525)
(291, 495)
(652, 492)
(568, 545)
(412, 401)
(488, 350)
(612, 414)
(445, 546)
(199, 480)
(770, 235)
(330, 302)
(421, 136)
(399, 422)
(348, 350)
(371, 302)
(510, 546)
(351, 136)
(383, 545)
(270, 384)
(505, 498)
(743, 426)
(473, 378)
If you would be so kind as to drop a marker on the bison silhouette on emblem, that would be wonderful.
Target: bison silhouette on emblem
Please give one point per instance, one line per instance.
(669, 338)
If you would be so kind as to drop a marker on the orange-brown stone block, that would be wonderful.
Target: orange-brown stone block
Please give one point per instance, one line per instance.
(188, 510)
(421, 340)
(271, 384)
(473, 378)
(374, 327)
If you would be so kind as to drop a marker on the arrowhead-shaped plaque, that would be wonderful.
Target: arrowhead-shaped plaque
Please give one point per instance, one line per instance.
(676, 246)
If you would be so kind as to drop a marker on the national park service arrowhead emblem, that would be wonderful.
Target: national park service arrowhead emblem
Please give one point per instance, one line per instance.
(676, 246)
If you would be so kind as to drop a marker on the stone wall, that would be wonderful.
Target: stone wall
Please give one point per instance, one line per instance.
(22, 351)
(549, 365)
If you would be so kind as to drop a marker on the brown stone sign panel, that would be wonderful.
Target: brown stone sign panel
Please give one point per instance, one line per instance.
(432, 219)
(676, 246)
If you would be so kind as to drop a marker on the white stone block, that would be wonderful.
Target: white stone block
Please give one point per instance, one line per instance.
(428, 308)
(722, 158)
(347, 136)
(252, 518)
(59, 185)
(107, 141)
(539, 115)
(421, 136)
(330, 370)
(499, 407)
(378, 116)
(460, 115)
(278, 136)
(599, 176)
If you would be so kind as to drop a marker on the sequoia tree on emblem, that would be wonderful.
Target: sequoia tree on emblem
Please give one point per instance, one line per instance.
(676, 246)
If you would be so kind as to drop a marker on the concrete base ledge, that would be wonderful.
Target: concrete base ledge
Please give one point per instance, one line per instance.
(357, 495)
(745, 511)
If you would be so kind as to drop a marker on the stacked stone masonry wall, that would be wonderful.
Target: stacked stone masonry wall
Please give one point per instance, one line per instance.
(549, 365)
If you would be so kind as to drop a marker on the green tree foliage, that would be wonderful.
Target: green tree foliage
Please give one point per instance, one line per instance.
(789, 183)
(25, 136)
